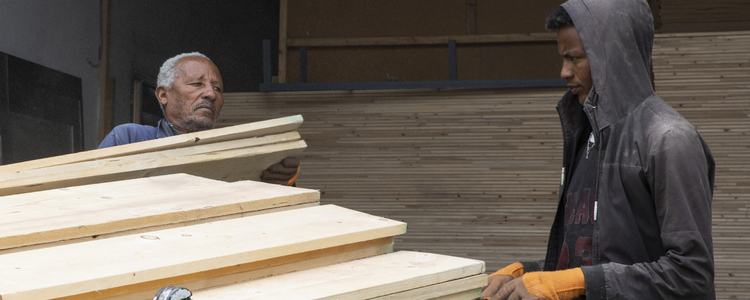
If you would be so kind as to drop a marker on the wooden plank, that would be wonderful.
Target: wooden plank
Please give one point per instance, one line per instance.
(170, 153)
(118, 189)
(361, 279)
(121, 261)
(230, 165)
(254, 129)
(453, 290)
(249, 271)
(465, 295)
(30, 220)
(424, 40)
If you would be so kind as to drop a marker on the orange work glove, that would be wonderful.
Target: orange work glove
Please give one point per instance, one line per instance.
(284, 172)
(556, 285)
(514, 269)
(498, 279)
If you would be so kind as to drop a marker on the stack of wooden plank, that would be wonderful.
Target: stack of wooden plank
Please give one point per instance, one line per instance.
(128, 234)
(231, 153)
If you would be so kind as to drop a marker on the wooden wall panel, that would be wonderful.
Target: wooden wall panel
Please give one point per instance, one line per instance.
(513, 16)
(704, 16)
(475, 62)
(371, 64)
(384, 18)
(335, 19)
(509, 61)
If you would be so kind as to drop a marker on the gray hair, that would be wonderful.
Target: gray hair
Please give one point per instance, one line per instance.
(167, 72)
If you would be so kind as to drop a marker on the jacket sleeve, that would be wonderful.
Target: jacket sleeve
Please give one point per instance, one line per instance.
(679, 171)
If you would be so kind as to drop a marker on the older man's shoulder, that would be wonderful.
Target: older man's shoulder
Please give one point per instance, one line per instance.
(129, 133)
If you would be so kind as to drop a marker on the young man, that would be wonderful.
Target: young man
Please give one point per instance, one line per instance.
(190, 92)
(634, 216)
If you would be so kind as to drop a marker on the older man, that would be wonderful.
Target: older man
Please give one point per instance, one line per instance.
(634, 216)
(191, 94)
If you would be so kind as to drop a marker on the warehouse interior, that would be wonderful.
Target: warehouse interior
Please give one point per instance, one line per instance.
(440, 114)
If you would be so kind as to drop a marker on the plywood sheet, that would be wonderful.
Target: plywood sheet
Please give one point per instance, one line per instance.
(129, 260)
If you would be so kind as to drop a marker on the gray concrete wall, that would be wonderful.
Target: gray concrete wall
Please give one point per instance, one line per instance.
(61, 35)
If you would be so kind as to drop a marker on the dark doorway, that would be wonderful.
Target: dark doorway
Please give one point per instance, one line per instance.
(40, 111)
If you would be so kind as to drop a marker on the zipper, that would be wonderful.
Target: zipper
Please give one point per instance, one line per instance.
(598, 140)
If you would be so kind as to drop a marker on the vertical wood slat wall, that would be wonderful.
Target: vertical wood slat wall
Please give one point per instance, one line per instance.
(475, 172)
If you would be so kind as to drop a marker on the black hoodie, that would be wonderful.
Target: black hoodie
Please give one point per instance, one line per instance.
(652, 230)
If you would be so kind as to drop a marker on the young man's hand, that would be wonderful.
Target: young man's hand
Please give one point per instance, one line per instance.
(513, 290)
(500, 278)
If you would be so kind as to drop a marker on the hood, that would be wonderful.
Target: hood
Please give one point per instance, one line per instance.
(618, 37)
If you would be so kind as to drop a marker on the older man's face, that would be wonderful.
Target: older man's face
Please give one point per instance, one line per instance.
(196, 97)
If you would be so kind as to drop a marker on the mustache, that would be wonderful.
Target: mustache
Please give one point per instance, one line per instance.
(205, 104)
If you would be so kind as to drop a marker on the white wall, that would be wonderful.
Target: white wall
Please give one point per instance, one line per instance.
(60, 35)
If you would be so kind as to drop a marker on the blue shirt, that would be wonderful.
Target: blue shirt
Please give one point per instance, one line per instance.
(133, 133)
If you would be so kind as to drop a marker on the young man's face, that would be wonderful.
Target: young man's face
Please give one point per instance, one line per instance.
(575, 67)
(196, 97)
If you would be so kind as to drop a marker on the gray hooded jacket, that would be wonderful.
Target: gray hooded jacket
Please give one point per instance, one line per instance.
(652, 225)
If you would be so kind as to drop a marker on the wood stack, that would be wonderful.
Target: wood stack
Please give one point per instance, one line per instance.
(232, 153)
(125, 236)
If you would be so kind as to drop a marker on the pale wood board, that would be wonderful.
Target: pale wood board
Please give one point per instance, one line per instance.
(170, 153)
(245, 272)
(109, 190)
(465, 295)
(230, 165)
(455, 289)
(254, 129)
(360, 279)
(147, 229)
(99, 265)
(62, 218)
